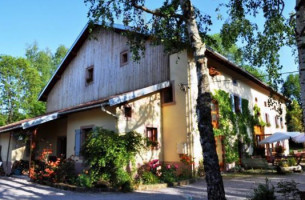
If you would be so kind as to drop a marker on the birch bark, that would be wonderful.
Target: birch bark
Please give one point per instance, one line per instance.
(300, 38)
(215, 187)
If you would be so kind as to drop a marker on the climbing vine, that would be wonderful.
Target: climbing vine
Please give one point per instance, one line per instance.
(234, 126)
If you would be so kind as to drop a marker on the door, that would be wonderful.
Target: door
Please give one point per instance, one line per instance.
(220, 151)
(62, 146)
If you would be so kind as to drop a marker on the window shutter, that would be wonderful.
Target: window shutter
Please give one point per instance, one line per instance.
(232, 102)
(77, 142)
(240, 105)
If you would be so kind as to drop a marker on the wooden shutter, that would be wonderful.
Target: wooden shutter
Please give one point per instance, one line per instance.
(232, 102)
(240, 105)
(77, 142)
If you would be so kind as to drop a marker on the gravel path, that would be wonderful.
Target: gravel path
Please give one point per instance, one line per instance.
(237, 187)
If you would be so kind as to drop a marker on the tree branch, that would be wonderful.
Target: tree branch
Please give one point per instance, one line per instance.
(155, 12)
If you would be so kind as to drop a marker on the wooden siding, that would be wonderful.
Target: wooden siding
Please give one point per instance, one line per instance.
(110, 78)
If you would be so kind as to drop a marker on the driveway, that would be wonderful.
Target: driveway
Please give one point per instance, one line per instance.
(237, 187)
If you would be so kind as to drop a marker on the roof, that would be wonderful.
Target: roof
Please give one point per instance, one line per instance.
(117, 27)
(110, 101)
(68, 58)
(242, 72)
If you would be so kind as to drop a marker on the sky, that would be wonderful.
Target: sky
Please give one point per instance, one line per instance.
(51, 23)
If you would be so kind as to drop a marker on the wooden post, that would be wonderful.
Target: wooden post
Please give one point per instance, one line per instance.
(32, 148)
(8, 152)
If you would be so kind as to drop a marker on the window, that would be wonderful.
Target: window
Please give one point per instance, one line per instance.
(276, 119)
(84, 134)
(127, 111)
(265, 103)
(124, 58)
(234, 82)
(267, 119)
(236, 106)
(167, 95)
(255, 99)
(152, 137)
(215, 114)
(282, 122)
(89, 74)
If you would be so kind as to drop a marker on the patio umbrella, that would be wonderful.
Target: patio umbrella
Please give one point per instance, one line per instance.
(299, 139)
(279, 136)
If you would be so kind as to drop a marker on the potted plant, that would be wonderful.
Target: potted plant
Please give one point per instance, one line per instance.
(279, 150)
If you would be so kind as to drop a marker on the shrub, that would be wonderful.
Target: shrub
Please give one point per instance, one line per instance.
(169, 173)
(108, 155)
(292, 161)
(57, 171)
(264, 191)
(84, 180)
(186, 159)
(149, 177)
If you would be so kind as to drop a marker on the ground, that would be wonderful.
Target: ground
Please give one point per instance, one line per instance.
(237, 187)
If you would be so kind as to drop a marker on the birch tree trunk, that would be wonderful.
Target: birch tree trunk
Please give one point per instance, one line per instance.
(300, 38)
(214, 181)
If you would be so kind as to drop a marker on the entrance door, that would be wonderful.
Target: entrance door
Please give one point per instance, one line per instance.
(62, 146)
(220, 151)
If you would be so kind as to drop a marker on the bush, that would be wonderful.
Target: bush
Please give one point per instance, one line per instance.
(149, 178)
(169, 173)
(264, 191)
(292, 161)
(108, 155)
(84, 180)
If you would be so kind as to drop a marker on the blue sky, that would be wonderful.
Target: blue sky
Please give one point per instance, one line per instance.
(54, 22)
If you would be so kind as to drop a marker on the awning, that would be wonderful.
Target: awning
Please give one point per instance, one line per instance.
(300, 138)
(279, 136)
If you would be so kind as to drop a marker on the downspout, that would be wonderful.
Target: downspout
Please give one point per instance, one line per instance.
(8, 151)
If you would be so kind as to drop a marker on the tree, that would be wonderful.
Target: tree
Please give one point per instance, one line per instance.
(13, 84)
(177, 25)
(21, 80)
(291, 87)
(294, 117)
(234, 54)
(262, 46)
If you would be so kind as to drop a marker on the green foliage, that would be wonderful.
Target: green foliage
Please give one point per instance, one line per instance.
(169, 174)
(294, 117)
(264, 191)
(108, 154)
(21, 81)
(261, 43)
(85, 180)
(149, 177)
(234, 126)
(234, 54)
(292, 161)
(257, 120)
(291, 87)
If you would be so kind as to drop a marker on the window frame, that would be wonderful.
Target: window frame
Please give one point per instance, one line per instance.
(122, 56)
(216, 112)
(172, 86)
(152, 138)
(83, 135)
(89, 75)
(129, 114)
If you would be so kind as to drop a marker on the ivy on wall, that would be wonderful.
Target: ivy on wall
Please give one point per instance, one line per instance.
(236, 127)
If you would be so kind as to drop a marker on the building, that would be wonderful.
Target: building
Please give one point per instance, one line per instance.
(98, 85)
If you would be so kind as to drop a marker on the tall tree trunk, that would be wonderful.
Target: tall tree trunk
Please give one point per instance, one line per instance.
(300, 38)
(211, 165)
